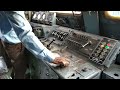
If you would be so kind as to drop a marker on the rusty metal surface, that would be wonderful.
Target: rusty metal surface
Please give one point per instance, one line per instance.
(79, 67)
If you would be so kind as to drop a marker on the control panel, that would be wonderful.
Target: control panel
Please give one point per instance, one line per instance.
(79, 68)
(81, 43)
(43, 17)
(100, 50)
(86, 52)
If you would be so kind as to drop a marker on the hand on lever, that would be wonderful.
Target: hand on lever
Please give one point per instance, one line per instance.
(61, 61)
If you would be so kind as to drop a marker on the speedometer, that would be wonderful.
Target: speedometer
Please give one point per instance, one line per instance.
(39, 16)
(43, 16)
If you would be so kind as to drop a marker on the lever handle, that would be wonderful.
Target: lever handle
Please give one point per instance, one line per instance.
(50, 43)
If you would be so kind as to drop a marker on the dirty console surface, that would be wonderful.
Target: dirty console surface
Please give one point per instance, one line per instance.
(86, 52)
(79, 68)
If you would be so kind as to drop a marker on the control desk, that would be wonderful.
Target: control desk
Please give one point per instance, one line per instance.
(87, 52)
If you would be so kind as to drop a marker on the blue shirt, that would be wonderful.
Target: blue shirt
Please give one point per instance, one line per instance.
(15, 28)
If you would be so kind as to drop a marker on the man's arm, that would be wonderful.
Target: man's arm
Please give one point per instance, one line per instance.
(24, 32)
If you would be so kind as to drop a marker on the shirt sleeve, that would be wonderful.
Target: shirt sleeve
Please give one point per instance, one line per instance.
(24, 32)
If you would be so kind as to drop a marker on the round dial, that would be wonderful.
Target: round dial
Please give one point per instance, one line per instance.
(39, 16)
(43, 16)
(49, 18)
(34, 16)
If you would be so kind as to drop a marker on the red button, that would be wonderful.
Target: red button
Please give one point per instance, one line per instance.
(108, 44)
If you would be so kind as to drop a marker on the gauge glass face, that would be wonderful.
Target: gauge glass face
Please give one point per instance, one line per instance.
(43, 17)
(38, 17)
(34, 16)
(50, 18)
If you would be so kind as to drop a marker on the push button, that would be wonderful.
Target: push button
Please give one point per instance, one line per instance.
(108, 44)
(107, 47)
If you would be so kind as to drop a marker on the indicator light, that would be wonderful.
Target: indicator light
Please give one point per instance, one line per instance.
(107, 47)
(108, 44)
(102, 46)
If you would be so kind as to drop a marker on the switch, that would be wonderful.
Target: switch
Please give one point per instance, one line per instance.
(103, 53)
(102, 46)
(99, 48)
(100, 62)
(47, 74)
(105, 50)
(101, 56)
(96, 54)
(84, 69)
(98, 51)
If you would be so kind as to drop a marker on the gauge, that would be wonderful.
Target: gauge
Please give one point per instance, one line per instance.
(34, 16)
(43, 16)
(39, 16)
(49, 18)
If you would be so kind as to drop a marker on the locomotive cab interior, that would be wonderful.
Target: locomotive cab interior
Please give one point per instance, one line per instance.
(89, 39)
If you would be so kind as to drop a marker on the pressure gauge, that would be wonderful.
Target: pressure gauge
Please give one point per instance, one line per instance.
(34, 16)
(39, 16)
(49, 18)
(43, 16)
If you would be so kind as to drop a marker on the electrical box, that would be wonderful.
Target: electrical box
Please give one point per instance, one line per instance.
(112, 73)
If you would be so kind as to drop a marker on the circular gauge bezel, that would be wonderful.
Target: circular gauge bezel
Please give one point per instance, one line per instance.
(43, 16)
(34, 16)
(49, 18)
(38, 16)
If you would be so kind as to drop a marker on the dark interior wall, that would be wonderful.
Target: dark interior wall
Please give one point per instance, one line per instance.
(91, 22)
(108, 27)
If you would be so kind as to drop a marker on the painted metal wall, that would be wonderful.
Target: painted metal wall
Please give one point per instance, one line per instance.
(91, 22)
(71, 21)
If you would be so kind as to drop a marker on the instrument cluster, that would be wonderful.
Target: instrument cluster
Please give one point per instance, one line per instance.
(43, 17)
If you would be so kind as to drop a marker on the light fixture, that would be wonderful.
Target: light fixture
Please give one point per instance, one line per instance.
(67, 12)
(112, 14)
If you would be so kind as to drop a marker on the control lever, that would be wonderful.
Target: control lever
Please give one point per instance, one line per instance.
(50, 43)
(89, 42)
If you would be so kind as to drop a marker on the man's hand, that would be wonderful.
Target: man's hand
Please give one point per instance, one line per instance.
(61, 61)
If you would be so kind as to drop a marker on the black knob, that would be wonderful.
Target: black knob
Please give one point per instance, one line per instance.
(84, 69)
